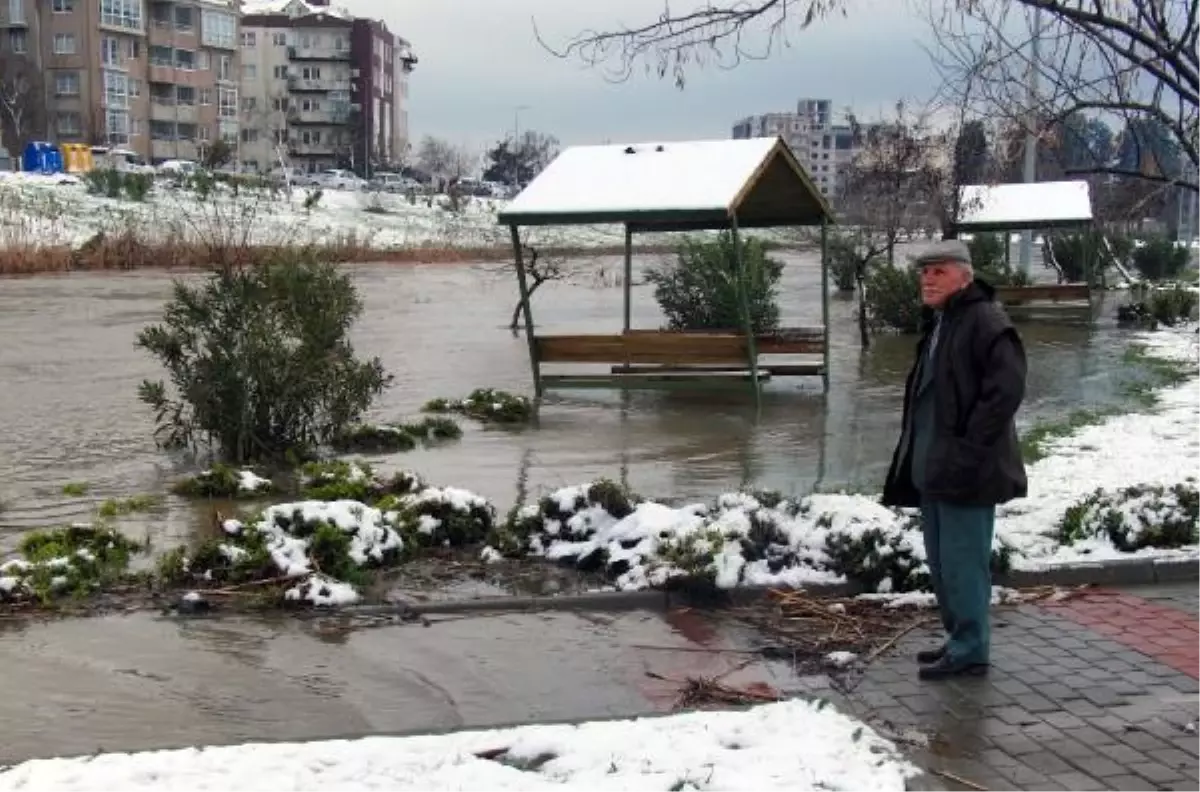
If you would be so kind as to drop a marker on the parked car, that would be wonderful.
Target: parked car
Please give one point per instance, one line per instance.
(394, 183)
(338, 179)
(178, 167)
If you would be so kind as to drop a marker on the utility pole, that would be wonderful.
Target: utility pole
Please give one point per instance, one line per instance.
(1031, 121)
(516, 174)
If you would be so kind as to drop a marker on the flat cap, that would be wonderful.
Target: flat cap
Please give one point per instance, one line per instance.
(946, 250)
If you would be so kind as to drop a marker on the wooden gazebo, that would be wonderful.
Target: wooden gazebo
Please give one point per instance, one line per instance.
(663, 187)
(1040, 206)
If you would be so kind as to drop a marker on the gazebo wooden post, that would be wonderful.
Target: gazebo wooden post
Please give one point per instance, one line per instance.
(825, 303)
(628, 277)
(526, 310)
(744, 299)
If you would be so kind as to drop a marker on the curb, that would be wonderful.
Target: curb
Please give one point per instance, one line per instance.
(1116, 572)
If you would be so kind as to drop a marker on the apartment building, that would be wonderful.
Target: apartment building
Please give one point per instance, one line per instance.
(319, 88)
(158, 77)
(406, 62)
(823, 147)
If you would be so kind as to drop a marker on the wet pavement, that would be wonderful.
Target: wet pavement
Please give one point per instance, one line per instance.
(1096, 692)
(132, 682)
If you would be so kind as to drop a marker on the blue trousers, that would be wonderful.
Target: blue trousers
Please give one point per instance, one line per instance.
(958, 546)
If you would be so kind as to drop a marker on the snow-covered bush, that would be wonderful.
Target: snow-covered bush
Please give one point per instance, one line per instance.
(1135, 517)
(487, 405)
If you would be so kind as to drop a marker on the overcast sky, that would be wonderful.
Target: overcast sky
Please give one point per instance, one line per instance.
(479, 59)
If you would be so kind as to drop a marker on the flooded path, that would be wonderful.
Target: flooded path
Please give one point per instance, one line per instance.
(121, 683)
(70, 412)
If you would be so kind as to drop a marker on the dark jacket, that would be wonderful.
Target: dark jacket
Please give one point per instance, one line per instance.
(978, 383)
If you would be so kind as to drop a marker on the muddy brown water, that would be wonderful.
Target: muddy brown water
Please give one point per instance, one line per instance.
(69, 372)
(138, 682)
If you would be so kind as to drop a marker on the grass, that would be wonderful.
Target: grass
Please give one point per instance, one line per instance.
(1154, 374)
(115, 507)
(76, 489)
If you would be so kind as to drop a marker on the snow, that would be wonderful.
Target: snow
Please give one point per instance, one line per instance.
(283, 7)
(250, 482)
(322, 591)
(840, 659)
(371, 534)
(1034, 204)
(789, 745)
(691, 175)
(57, 210)
(741, 541)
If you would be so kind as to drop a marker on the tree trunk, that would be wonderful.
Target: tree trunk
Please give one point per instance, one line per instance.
(864, 333)
(515, 324)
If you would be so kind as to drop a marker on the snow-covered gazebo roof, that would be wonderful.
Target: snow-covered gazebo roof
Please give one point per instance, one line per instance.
(672, 187)
(1014, 207)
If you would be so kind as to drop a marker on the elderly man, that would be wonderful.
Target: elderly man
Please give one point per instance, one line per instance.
(958, 455)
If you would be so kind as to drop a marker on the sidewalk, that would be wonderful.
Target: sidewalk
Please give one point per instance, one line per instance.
(1097, 692)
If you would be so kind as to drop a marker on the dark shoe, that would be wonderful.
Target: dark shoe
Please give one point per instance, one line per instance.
(927, 656)
(947, 668)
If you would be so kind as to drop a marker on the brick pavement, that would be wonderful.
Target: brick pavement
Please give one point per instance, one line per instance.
(1098, 692)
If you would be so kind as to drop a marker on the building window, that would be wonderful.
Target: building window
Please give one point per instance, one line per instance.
(249, 39)
(64, 44)
(279, 39)
(16, 11)
(162, 130)
(185, 59)
(227, 102)
(110, 51)
(310, 105)
(135, 49)
(206, 96)
(311, 72)
(249, 103)
(225, 67)
(62, 6)
(161, 56)
(17, 42)
(116, 90)
(249, 135)
(117, 125)
(185, 94)
(66, 84)
(218, 29)
(69, 124)
(203, 61)
(123, 14)
(185, 18)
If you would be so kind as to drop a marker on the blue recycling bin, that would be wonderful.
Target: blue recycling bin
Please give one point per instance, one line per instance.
(42, 157)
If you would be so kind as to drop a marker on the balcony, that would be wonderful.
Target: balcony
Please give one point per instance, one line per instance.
(297, 53)
(322, 85)
(174, 149)
(336, 117)
(164, 34)
(169, 111)
(325, 148)
(164, 73)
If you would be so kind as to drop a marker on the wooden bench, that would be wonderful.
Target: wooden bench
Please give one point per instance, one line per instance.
(664, 349)
(784, 341)
(1061, 292)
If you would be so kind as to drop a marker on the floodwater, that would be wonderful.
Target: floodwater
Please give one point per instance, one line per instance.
(139, 682)
(69, 372)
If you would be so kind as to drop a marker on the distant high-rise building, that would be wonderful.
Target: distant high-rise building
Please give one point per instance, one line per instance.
(822, 147)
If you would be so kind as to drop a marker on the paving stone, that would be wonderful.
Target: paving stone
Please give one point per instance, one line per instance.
(1124, 755)
(1129, 783)
(1156, 773)
(1099, 674)
(1173, 758)
(1076, 780)
(1056, 691)
(1098, 766)
(1143, 741)
(1035, 703)
(1046, 763)
(1090, 736)
(1070, 749)
(1083, 708)
(1069, 642)
(1102, 696)
(995, 757)
(1016, 744)
(1012, 686)
(1027, 778)
(1015, 715)
(1063, 720)
(921, 705)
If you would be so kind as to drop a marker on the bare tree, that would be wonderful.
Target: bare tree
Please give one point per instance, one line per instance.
(708, 35)
(1134, 60)
(899, 181)
(22, 100)
(442, 160)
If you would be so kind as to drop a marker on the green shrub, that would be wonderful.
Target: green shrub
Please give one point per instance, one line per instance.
(487, 405)
(108, 182)
(1135, 517)
(1172, 306)
(260, 360)
(1078, 255)
(990, 263)
(137, 185)
(700, 290)
(312, 198)
(893, 298)
(843, 262)
(1160, 259)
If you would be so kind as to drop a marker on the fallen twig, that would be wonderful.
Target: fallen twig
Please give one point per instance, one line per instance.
(892, 641)
(959, 780)
(238, 587)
